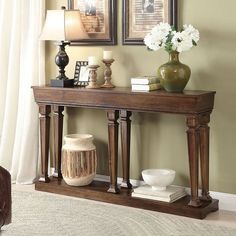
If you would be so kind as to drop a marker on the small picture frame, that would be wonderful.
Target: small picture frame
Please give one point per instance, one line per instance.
(81, 77)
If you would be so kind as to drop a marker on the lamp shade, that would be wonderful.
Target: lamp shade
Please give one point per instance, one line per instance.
(63, 25)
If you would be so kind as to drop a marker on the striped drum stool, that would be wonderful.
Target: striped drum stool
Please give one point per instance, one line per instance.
(79, 159)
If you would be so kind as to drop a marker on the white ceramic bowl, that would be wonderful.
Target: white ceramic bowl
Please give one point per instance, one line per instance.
(159, 179)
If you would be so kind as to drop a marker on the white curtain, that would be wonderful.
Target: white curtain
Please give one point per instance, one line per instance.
(21, 66)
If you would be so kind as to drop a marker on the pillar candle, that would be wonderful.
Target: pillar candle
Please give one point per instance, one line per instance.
(92, 61)
(107, 55)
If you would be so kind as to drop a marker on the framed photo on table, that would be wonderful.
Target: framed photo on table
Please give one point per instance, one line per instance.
(99, 21)
(81, 77)
(140, 16)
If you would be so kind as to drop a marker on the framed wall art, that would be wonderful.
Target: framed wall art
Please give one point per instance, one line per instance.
(81, 77)
(140, 16)
(99, 21)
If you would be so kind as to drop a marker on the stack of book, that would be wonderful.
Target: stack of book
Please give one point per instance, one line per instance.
(145, 83)
(171, 194)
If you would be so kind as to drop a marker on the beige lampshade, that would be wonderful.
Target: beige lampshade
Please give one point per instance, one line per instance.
(63, 25)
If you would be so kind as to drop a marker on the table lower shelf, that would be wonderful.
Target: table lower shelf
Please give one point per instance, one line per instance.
(97, 191)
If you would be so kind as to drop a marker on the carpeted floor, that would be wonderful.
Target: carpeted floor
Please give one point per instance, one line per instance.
(37, 213)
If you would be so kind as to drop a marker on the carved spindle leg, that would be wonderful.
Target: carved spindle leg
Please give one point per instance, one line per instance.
(58, 129)
(125, 123)
(112, 116)
(44, 111)
(193, 152)
(204, 156)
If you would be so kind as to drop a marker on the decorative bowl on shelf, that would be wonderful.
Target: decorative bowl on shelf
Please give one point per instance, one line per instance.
(159, 179)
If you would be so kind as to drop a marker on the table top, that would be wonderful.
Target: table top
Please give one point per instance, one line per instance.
(188, 102)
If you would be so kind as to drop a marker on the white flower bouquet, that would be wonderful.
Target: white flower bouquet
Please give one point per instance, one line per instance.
(165, 36)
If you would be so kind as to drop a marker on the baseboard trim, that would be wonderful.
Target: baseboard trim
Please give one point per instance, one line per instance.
(227, 201)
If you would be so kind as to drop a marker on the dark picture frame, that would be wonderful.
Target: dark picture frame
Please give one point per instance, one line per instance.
(81, 76)
(99, 18)
(140, 13)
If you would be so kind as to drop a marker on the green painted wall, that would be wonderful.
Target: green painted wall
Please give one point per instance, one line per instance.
(158, 140)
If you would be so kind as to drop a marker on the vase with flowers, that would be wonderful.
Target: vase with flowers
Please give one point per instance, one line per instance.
(173, 75)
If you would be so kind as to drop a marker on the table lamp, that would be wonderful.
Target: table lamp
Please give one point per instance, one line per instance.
(62, 26)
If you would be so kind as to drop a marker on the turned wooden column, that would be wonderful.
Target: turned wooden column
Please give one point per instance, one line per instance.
(44, 111)
(204, 155)
(193, 152)
(113, 126)
(125, 124)
(57, 133)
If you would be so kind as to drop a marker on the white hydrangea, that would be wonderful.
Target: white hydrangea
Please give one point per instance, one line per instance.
(192, 32)
(162, 29)
(163, 36)
(156, 39)
(181, 41)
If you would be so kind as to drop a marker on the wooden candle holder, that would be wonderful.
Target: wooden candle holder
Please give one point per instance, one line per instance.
(93, 77)
(107, 74)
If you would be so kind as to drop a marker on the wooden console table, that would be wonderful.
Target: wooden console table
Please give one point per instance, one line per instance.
(196, 106)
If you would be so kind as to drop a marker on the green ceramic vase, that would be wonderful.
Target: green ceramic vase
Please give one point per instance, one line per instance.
(174, 75)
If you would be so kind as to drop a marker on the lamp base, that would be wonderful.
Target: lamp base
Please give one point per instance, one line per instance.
(68, 83)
